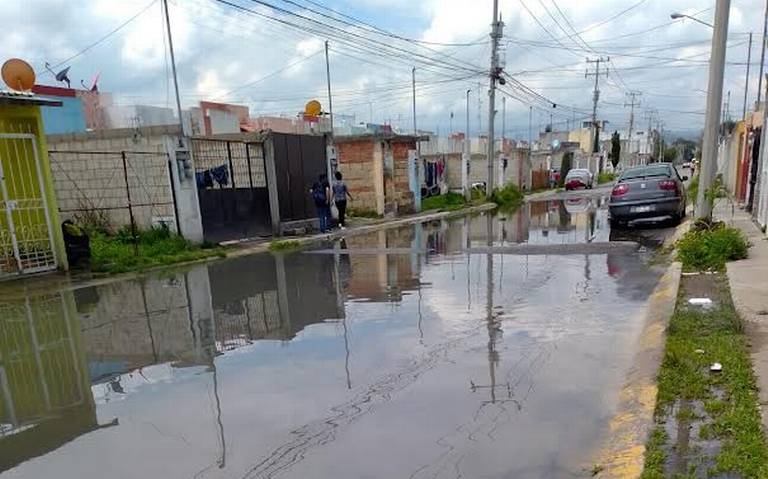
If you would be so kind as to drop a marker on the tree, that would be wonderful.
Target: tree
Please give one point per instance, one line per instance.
(670, 154)
(615, 155)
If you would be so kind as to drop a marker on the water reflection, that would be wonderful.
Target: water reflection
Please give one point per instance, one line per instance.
(406, 357)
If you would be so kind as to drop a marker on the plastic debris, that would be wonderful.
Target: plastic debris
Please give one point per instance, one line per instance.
(699, 351)
(716, 367)
(700, 301)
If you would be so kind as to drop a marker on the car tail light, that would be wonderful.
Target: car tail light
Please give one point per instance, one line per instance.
(668, 185)
(620, 190)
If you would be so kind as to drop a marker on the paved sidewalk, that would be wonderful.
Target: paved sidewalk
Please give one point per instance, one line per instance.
(748, 280)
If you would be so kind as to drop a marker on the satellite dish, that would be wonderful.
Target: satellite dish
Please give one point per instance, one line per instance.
(62, 76)
(313, 108)
(18, 75)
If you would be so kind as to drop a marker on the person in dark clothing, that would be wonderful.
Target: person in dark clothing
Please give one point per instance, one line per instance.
(321, 195)
(340, 195)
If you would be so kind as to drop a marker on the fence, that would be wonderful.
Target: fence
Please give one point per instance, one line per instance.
(231, 188)
(113, 189)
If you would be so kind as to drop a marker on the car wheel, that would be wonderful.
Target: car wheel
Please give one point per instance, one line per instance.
(616, 224)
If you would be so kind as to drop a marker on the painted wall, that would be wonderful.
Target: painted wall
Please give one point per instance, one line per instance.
(28, 119)
(68, 118)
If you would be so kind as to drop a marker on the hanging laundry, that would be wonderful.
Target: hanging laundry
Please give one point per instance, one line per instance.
(204, 179)
(221, 175)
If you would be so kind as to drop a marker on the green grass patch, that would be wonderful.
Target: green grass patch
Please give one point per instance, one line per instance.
(447, 202)
(710, 246)
(117, 253)
(362, 213)
(507, 198)
(284, 245)
(693, 189)
(730, 398)
(606, 177)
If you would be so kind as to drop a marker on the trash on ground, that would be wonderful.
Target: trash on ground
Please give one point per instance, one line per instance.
(700, 301)
(699, 351)
(716, 367)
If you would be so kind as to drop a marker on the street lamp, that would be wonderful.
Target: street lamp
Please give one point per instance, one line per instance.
(676, 16)
(714, 103)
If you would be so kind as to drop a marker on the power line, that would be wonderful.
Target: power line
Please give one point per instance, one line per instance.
(105, 37)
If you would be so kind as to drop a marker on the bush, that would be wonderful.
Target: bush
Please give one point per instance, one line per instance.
(606, 177)
(446, 202)
(362, 213)
(693, 188)
(709, 247)
(285, 245)
(508, 197)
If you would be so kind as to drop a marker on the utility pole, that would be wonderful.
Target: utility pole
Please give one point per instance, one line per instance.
(661, 141)
(503, 120)
(728, 107)
(762, 56)
(413, 84)
(632, 103)
(175, 77)
(595, 98)
(330, 155)
(714, 99)
(496, 32)
(746, 81)
(530, 144)
(466, 156)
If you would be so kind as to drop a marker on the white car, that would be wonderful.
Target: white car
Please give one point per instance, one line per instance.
(578, 178)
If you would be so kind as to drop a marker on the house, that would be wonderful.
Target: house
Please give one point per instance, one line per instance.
(30, 234)
(376, 170)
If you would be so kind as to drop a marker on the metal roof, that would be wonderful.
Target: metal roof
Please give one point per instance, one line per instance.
(25, 99)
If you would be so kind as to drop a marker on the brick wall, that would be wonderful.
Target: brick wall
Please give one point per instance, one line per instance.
(356, 163)
(402, 194)
(89, 178)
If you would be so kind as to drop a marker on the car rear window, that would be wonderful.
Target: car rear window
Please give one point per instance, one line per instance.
(646, 172)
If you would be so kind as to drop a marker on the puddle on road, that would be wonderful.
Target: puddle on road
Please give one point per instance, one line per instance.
(432, 363)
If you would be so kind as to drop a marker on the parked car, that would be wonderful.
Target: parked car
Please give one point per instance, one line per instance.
(578, 178)
(647, 192)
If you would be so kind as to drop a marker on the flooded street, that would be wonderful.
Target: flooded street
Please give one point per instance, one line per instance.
(396, 354)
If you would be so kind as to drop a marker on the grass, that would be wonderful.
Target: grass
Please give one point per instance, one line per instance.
(446, 202)
(710, 246)
(693, 188)
(684, 375)
(606, 177)
(156, 247)
(509, 197)
(285, 245)
(363, 213)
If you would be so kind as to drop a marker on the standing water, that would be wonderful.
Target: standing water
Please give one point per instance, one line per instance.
(398, 354)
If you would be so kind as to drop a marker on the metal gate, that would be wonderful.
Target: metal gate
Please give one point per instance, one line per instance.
(26, 237)
(232, 189)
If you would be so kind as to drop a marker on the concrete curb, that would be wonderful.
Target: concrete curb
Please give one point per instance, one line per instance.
(623, 454)
(244, 250)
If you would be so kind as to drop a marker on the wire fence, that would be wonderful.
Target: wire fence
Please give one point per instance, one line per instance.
(112, 190)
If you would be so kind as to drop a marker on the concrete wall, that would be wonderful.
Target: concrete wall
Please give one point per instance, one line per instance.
(86, 180)
(68, 118)
(361, 164)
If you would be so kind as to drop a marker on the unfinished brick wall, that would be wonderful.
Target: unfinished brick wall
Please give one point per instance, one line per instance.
(356, 163)
(402, 196)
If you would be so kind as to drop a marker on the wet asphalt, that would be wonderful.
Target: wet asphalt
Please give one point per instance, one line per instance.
(408, 352)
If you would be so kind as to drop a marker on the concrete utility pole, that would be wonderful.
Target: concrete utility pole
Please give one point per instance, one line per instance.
(496, 32)
(632, 103)
(413, 85)
(746, 81)
(466, 156)
(530, 144)
(173, 69)
(503, 120)
(330, 97)
(595, 98)
(762, 55)
(714, 99)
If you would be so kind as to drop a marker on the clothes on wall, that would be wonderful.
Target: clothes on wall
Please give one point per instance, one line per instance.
(206, 178)
(434, 171)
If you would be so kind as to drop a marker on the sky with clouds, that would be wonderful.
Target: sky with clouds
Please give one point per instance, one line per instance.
(269, 55)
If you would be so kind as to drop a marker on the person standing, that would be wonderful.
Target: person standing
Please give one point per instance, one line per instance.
(340, 195)
(321, 195)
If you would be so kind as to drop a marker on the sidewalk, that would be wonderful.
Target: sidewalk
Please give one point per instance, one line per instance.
(748, 280)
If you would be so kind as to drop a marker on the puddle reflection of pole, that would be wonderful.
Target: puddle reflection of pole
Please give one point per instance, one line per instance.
(149, 320)
(469, 273)
(340, 308)
(492, 354)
